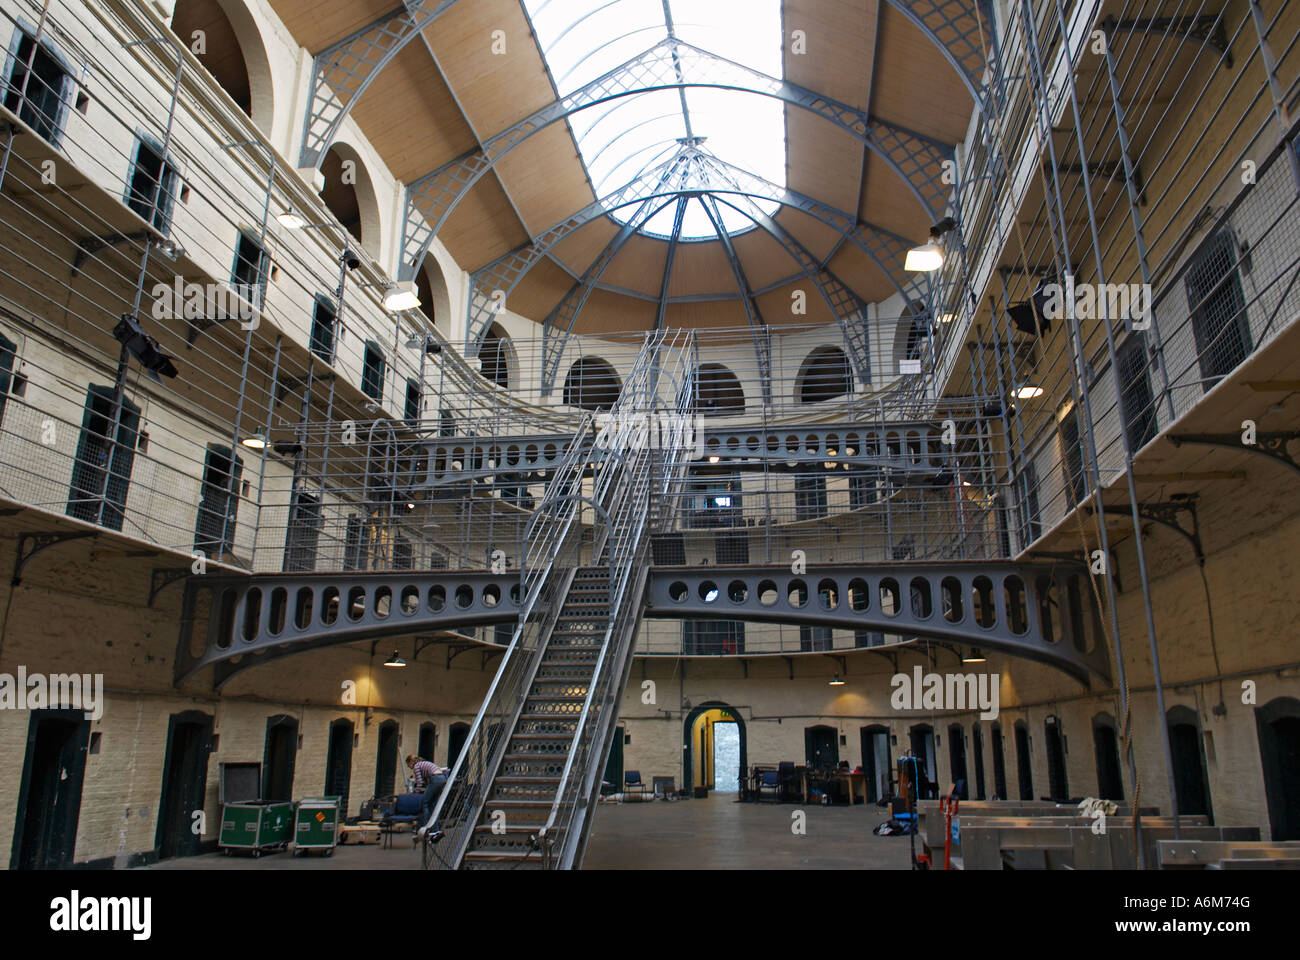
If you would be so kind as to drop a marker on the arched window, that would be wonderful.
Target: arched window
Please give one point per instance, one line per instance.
(914, 330)
(592, 384)
(431, 287)
(496, 355)
(231, 49)
(350, 195)
(825, 375)
(720, 391)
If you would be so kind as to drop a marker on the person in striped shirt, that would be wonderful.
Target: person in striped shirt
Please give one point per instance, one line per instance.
(430, 778)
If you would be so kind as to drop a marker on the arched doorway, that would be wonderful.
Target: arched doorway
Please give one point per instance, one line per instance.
(999, 763)
(1278, 726)
(456, 741)
(876, 761)
(350, 195)
(428, 740)
(957, 760)
(1110, 785)
(824, 375)
(1057, 780)
(1023, 769)
(921, 737)
(279, 758)
(338, 762)
(496, 356)
(230, 47)
(977, 751)
(386, 760)
(698, 745)
(821, 747)
(1190, 780)
(185, 783)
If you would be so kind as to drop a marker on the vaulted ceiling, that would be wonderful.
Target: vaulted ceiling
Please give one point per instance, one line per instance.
(443, 97)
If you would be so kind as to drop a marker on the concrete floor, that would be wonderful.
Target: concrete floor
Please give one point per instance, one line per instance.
(720, 834)
(712, 834)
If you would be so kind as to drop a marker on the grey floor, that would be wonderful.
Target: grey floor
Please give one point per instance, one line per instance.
(712, 834)
(720, 834)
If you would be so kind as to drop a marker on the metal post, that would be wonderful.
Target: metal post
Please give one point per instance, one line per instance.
(1128, 450)
(1280, 111)
(1155, 348)
(261, 473)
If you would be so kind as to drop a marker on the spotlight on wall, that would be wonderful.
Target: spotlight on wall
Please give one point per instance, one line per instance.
(401, 296)
(1028, 391)
(1022, 314)
(144, 348)
(170, 249)
(256, 442)
(928, 257)
(290, 220)
(973, 655)
(836, 681)
(394, 661)
(349, 259)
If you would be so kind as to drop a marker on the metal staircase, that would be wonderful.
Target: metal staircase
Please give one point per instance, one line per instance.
(523, 787)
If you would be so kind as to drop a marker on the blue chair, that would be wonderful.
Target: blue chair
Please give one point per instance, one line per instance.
(769, 780)
(632, 782)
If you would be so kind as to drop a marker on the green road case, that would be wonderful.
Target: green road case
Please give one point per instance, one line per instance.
(316, 824)
(247, 823)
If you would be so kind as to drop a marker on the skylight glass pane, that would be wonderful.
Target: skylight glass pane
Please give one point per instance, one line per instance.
(622, 137)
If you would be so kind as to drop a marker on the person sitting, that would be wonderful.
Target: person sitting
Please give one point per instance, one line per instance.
(430, 778)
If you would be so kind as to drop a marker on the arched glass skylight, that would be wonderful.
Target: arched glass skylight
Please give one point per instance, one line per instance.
(583, 40)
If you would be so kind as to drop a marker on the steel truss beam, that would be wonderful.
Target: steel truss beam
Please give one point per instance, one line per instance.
(256, 619)
(431, 199)
(490, 286)
(341, 73)
(910, 599)
(959, 30)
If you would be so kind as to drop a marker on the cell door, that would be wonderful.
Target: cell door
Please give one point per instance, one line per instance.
(49, 794)
(1278, 726)
(876, 762)
(386, 761)
(279, 757)
(1057, 780)
(1023, 770)
(821, 747)
(1189, 762)
(338, 763)
(97, 493)
(977, 746)
(614, 765)
(957, 760)
(185, 784)
(456, 741)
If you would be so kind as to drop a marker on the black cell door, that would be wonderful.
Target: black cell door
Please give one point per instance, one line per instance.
(456, 741)
(214, 530)
(386, 761)
(185, 783)
(1057, 780)
(922, 740)
(428, 738)
(338, 763)
(279, 757)
(1189, 762)
(957, 760)
(1278, 725)
(977, 747)
(999, 764)
(614, 765)
(1110, 785)
(821, 747)
(1023, 769)
(49, 794)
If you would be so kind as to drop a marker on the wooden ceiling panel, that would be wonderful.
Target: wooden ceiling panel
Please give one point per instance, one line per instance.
(841, 43)
(763, 259)
(862, 275)
(581, 247)
(614, 313)
(639, 265)
(319, 24)
(541, 289)
(775, 305)
(701, 268)
(712, 315)
(888, 202)
(545, 178)
(410, 117)
(494, 89)
(915, 86)
(825, 162)
(816, 237)
(482, 227)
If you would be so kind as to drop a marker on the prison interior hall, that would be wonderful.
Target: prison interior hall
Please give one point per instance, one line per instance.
(650, 434)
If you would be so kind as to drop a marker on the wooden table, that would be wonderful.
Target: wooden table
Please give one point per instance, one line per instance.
(856, 782)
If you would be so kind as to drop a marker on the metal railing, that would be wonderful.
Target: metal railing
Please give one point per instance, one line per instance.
(552, 552)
